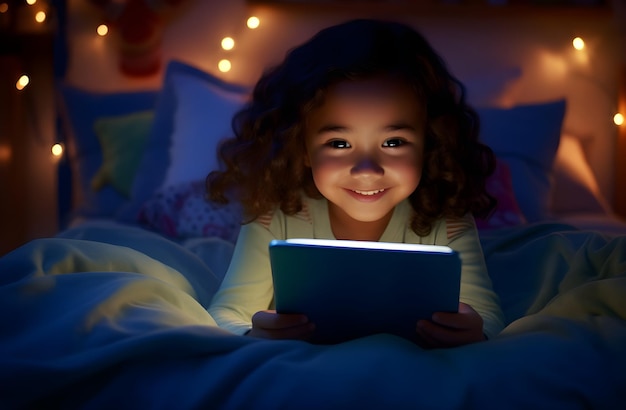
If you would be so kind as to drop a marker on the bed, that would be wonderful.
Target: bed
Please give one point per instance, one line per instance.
(112, 310)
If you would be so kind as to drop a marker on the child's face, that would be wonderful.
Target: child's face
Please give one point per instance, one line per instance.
(365, 147)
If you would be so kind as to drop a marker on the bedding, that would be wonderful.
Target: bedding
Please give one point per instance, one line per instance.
(526, 138)
(80, 110)
(192, 115)
(106, 314)
(122, 139)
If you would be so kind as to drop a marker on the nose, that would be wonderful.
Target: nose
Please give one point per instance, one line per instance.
(367, 166)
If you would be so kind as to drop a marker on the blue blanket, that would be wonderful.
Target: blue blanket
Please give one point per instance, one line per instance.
(110, 315)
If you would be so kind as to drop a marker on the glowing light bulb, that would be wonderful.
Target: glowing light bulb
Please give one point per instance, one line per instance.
(578, 43)
(22, 82)
(5, 153)
(253, 22)
(40, 17)
(102, 30)
(618, 119)
(4, 7)
(228, 43)
(31, 2)
(57, 149)
(224, 66)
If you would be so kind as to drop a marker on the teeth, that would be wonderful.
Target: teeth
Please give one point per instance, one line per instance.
(374, 192)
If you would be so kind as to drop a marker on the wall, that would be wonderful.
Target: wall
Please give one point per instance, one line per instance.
(28, 207)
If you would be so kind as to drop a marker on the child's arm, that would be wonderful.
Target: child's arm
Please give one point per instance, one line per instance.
(247, 286)
(241, 305)
(476, 286)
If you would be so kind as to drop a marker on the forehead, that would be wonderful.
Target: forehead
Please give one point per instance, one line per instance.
(371, 93)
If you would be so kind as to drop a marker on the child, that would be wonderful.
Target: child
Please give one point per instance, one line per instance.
(363, 134)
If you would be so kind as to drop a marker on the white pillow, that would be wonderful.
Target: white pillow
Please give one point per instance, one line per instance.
(201, 120)
(575, 188)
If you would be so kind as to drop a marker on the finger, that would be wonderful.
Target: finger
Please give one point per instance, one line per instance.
(269, 319)
(442, 336)
(424, 339)
(301, 332)
(465, 318)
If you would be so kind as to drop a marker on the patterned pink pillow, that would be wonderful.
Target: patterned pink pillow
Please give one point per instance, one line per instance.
(182, 211)
(507, 212)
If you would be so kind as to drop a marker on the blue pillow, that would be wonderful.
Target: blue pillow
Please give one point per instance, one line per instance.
(526, 138)
(80, 109)
(157, 159)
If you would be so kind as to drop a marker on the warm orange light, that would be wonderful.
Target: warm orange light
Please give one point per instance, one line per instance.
(102, 30)
(40, 17)
(253, 22)
(618, 119)
(22, 82)
(57, 150)
(31, 2)
(578, 43)
(228, 43)
(5, 153)
(224, 66)
(4, 7)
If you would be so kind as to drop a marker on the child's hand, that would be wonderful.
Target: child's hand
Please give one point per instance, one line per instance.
(268, 324)
(451, 329)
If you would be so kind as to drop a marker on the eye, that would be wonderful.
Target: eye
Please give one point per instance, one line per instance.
(394, 142)
(339, 144)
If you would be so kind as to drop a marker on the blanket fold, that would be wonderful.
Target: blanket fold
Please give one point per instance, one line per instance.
(105, 316)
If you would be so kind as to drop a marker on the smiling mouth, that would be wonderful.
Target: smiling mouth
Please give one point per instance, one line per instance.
(368, 193)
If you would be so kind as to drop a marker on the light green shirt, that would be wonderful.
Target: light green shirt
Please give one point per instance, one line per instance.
(248, 288)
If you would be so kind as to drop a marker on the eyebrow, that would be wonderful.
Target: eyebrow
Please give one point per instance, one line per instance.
(340, 128)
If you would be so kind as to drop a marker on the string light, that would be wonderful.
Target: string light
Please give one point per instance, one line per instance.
(253, 22)
(22, 82)
(31, 2)
(228, 43)
(57, 149)
(40, 17)
(224, 66)
(578, 43)
(102, 30)
(4, 7)
(5, 153)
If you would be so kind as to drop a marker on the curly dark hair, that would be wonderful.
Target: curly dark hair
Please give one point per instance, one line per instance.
(264, 162)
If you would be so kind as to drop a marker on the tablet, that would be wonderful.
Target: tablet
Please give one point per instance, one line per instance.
(351, 289)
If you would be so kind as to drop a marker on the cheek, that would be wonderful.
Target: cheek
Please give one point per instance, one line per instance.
(325, 167)
(410, 164)
(407, 169)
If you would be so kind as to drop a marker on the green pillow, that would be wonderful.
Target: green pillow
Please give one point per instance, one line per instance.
(122, 139)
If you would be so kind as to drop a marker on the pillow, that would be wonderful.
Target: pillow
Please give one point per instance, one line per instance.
(488, 88)
(122, 139)
(202, 119)
(526, 138)
(192, 115)
(575, 188)
(507, 211)
(79, 110)
(182, 211)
